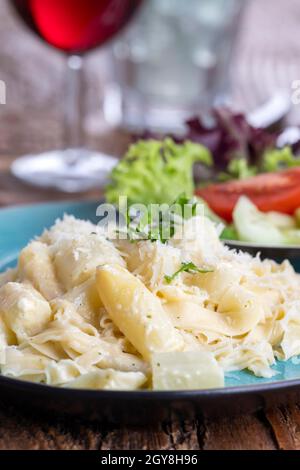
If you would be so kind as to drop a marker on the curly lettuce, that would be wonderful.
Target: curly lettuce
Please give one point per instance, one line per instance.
(273, 160)
(279, 159)
(238, 169)
(156, 171)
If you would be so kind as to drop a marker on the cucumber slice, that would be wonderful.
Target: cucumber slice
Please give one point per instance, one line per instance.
(292, 237)
(281, 221)
(254, 226)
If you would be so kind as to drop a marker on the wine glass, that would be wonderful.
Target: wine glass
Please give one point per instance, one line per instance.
(74, 27)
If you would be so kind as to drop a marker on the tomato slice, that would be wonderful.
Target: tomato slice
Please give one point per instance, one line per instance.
(278, 191)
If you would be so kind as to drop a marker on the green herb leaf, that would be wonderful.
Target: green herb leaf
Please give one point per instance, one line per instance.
(160, 225)
(183, 201)
(190, 268)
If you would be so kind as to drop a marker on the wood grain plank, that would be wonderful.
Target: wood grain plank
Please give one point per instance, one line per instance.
(247, 432)
(142, 438)
(28, 431)
(176, 435)
(184, 434)
(24, 431)
(285, 422)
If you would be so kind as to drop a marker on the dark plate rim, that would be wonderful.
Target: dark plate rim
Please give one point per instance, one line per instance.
(150, 395)
(257, 246)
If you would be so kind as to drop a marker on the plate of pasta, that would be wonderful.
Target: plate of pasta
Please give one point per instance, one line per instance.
(95, 325)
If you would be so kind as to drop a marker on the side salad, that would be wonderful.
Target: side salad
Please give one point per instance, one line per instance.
(253, 188)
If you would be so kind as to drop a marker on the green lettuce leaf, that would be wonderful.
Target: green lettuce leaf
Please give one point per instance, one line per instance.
(156, 171)
(279, 159)
(238, 169)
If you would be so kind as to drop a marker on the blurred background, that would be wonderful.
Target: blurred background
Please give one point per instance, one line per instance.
(174, 58)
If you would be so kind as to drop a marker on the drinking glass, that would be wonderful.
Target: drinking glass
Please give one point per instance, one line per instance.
(74, 27)
(172, 63)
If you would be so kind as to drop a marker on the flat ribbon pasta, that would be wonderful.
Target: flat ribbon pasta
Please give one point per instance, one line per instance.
(237, 313)
(83, 310)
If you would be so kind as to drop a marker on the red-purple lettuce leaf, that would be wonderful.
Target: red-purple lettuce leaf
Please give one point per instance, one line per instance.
(227, 135)
(230, 136)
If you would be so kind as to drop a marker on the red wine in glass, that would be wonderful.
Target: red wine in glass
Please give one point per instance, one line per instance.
(74, 27)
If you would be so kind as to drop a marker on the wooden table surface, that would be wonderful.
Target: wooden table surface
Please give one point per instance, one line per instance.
(31, 121)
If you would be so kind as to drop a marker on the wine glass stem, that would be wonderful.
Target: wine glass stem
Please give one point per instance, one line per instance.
(74, 107)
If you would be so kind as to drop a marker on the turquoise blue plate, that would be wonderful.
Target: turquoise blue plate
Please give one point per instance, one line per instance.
(19, 225)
